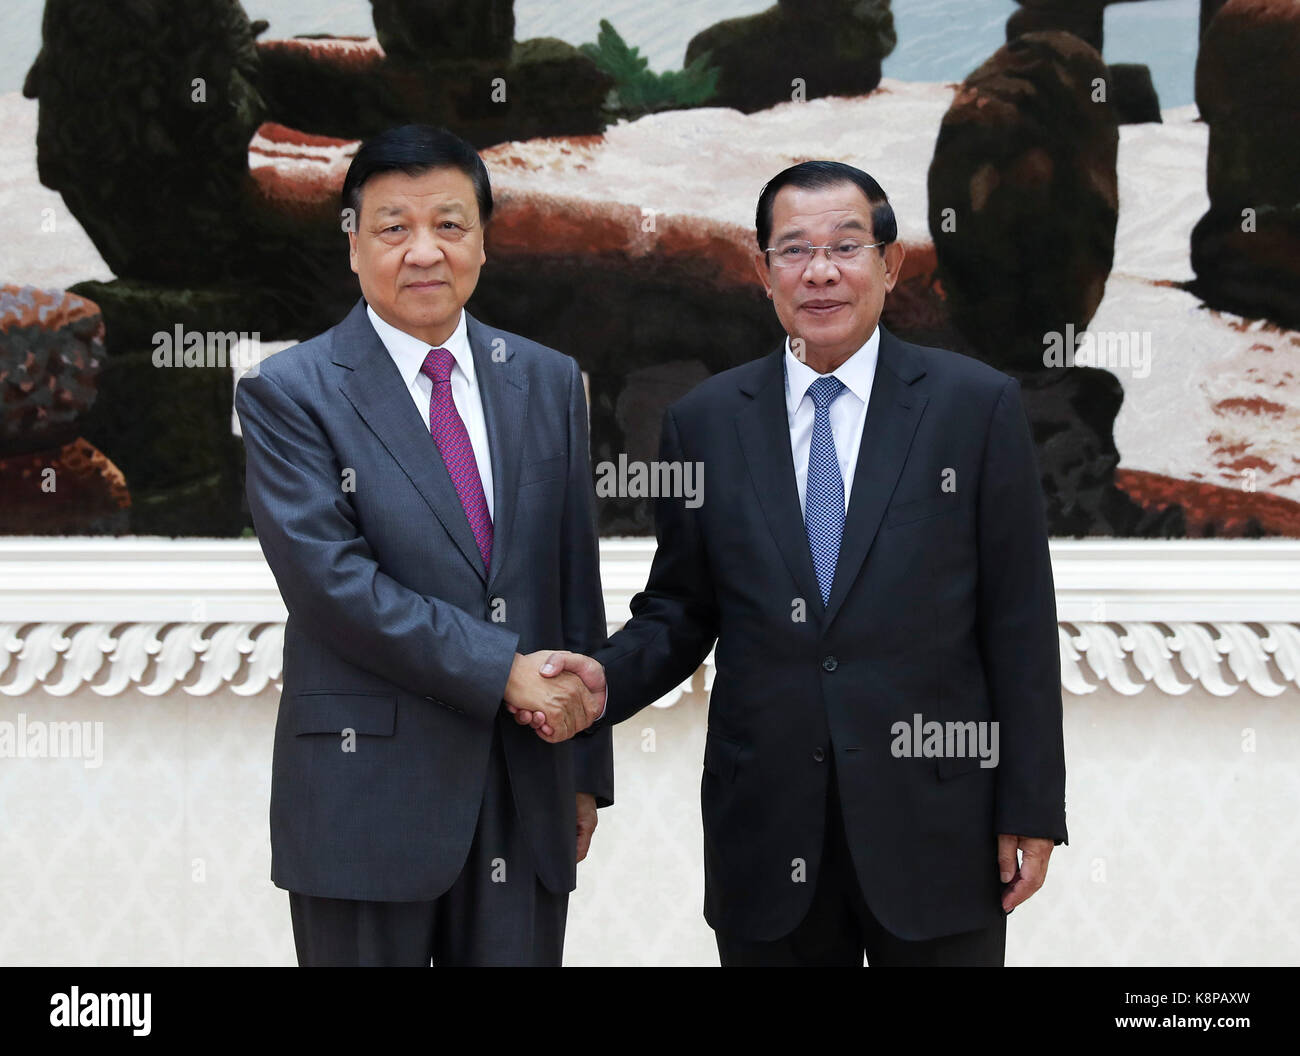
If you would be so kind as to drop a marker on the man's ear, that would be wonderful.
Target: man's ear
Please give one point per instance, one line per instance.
(352, 251)
(760, 266)
(894, 254)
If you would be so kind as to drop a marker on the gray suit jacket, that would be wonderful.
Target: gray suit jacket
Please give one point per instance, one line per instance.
(396, 631)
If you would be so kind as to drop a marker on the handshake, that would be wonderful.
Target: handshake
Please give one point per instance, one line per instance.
(557, 693)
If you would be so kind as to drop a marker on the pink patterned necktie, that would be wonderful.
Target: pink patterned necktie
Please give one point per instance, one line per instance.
(457, 452)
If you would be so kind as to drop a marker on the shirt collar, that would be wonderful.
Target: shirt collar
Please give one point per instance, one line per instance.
(856, 373)
(409, 352)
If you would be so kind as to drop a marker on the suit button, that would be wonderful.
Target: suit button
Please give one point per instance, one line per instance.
(818, 755)
(830, 664)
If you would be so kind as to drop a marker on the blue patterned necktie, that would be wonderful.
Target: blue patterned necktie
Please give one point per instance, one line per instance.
(824, 491)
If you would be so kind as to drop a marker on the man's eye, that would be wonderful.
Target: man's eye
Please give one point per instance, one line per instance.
(847, 247)
(395, 227)
(793, 252)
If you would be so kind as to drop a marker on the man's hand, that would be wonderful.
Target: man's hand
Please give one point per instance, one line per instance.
(590, 671)
(557, 708)
(586, 823)
(1023, 880)
(558, 663)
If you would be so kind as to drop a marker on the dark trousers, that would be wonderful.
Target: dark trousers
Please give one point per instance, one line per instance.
(496, 913)
(840, 926)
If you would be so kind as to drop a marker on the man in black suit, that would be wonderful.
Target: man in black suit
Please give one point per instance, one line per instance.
(421, 488)
(871, 559)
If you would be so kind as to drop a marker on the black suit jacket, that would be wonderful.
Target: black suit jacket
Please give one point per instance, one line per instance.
(942, 605)
(396, 631)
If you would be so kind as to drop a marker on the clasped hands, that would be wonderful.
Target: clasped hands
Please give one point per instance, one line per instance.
(557, 693)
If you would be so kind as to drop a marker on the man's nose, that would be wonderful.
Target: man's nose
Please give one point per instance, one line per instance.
(821, 268)
(425, 249)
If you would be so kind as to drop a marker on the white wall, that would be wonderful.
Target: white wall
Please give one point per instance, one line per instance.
(1180, 665)
(1182, 849)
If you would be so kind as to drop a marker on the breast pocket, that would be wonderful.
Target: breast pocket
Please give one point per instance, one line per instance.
(542, 470)
(920, 509)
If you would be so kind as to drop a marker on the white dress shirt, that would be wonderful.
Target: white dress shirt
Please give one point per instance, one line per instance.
(848, 412)
(409, 353)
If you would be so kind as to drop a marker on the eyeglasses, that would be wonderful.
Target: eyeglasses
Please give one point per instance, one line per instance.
(797, 254)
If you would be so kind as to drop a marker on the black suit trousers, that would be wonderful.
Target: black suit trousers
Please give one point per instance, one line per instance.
(840, 927)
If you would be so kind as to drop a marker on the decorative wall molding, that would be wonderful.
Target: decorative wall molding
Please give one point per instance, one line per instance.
(1177, 656)
(203, 616)
(152, 658)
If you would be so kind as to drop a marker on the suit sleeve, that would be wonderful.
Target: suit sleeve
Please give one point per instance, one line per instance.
(675, 618)
(580, 591)
(1017, 628)
(332, 584)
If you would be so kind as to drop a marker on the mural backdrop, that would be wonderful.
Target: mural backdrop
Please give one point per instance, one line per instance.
(170, 188)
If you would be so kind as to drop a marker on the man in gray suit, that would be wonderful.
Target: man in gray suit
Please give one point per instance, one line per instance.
(421, 487)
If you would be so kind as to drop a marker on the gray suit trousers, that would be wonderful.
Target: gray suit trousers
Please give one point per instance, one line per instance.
(497, 913)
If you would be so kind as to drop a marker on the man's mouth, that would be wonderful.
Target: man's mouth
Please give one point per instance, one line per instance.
(427, 284)
(820, 308)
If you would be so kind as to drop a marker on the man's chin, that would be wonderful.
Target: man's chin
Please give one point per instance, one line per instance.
(826, 336)
(416, 299)
(425, 312)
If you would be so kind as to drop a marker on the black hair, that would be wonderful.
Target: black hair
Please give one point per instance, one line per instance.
(414, 150)
(816, 175)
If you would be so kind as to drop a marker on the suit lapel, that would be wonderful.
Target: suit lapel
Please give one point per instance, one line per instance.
(504, 389)
(765, 440)
(375, 388)
(893, 412)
